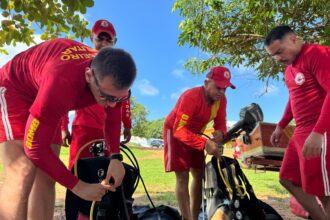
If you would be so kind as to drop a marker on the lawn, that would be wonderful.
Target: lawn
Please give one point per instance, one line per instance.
(161, 185)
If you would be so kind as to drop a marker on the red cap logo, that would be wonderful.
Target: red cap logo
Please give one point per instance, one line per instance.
(104, 26)
(221, 76)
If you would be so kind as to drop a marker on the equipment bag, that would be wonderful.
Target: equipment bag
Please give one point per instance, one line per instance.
(162, 212)
(229, 195)
(114, 205)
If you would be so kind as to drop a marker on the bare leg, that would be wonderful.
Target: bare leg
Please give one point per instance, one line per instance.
(42, 197)
(182, 194)
(19, 176)
(196, 192)
(306, 200)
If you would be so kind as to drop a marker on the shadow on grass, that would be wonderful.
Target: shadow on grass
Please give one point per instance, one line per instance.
(161, 198)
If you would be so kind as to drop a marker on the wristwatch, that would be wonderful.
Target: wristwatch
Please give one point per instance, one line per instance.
(116, 156)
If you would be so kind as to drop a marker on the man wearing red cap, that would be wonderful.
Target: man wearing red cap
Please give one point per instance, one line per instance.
(88, 122)
(184, 147)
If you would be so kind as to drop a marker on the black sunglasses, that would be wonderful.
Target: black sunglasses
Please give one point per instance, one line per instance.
(107, 97)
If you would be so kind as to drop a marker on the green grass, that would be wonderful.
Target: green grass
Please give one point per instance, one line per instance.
(157, 180)
(161, 185)
(65, 155)
(265, 183)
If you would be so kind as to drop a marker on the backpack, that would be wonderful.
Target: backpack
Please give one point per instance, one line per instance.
(114, 205)
(230, 196)
(162, 212)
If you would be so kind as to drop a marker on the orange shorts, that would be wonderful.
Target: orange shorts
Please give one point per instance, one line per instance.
(14, 114)
(312, 174)
(178, 156)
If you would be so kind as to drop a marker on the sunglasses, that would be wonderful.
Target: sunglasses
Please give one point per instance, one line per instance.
(107, 97)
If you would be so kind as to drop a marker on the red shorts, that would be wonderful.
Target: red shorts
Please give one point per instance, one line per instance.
(312, 174)
(14, 114)
(178, 156)
(80, 136)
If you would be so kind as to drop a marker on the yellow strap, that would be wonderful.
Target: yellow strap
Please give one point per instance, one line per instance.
(238, 186)
(223, 178)
(75, 170)
(91, 212)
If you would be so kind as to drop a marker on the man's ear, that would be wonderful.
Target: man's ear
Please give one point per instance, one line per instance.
(293, 38)
(88, 74)
(92, 36)
(206, 82)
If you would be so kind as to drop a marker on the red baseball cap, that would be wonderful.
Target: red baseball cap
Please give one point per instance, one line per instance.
(221, 76)
(104, 26)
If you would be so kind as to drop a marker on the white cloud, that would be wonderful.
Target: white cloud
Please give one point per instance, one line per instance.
(176, 95)
(145, 88)
(267, 90)
(180, 62)
(178, 73)
(230, 123)
(14, 50)
(243, 71)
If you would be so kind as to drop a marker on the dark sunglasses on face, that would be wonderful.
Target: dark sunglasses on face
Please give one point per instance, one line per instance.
(107, 97)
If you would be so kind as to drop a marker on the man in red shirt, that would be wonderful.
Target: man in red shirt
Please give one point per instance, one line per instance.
(305, 168)
(88, 122)
(33, 86)
(184, 147)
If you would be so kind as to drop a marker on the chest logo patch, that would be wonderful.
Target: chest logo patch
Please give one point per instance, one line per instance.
(299, 79)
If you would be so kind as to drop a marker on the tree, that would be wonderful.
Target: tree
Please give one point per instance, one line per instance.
(53, 17)
(139, 118)
(154, 128)
(232, 32)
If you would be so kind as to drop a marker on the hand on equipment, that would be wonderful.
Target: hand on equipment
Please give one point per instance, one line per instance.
(212, 148)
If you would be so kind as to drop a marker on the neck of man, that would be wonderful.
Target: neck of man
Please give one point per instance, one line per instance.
(208, 99)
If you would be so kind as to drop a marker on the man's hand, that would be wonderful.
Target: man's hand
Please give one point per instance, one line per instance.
(127, 135)
(116, 173)
(66, 138)
(212, 148)
(313, 145)
(217, 136)
(91, 192)
(276, 136)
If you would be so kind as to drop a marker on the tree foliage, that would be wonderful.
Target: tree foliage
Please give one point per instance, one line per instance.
(139, 118)
(154, 129)
(53, 17)
(141, 126)
(232, 32)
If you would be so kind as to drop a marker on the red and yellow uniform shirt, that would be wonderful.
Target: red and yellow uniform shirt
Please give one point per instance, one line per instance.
(51, 78)
(191, 114)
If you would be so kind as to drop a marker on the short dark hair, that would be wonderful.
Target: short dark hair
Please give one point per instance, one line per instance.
(116, 63)
(277, 33)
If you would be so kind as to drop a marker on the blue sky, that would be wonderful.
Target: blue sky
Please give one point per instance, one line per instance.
(149, 31)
